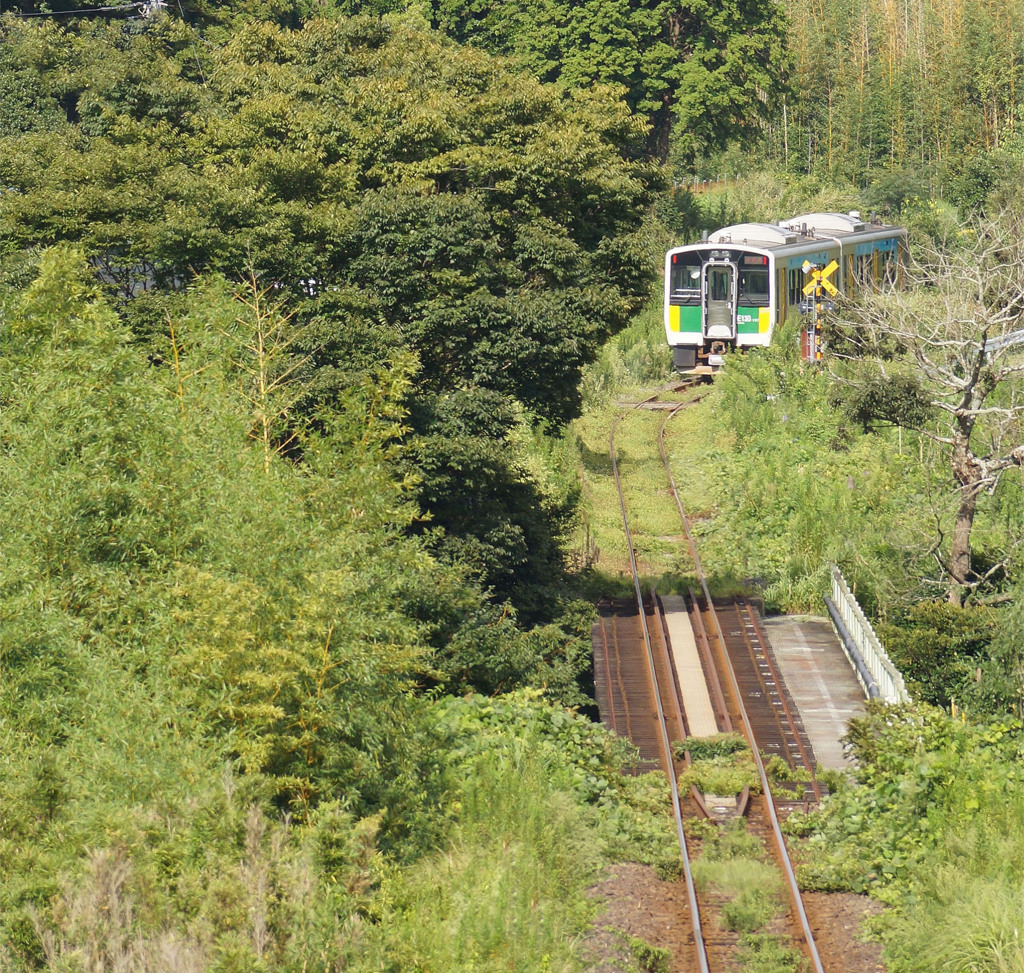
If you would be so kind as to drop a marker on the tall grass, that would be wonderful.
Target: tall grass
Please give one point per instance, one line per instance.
(635, 357)
(967, 909)
(931, 825)
(781, 485)
(970, 924)
(507, 892)
(754, 887)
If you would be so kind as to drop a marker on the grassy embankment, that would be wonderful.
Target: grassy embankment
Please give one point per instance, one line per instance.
(537, 819)
(931, 826)
(783, 484)
(777, 482)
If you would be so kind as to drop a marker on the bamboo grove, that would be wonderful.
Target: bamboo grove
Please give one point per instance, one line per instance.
(893, 83)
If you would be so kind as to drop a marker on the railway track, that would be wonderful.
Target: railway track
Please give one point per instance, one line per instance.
(635, 673)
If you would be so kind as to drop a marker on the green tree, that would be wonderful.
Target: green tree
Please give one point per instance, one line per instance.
(708, 72)
(485, 222)
(397, 192)
(282, 606)
(733, 73)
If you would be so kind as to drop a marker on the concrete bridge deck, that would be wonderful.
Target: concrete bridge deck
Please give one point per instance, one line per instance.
(820, 680)
(816, 673)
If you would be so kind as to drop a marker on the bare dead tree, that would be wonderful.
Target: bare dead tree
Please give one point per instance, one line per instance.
(957, 332)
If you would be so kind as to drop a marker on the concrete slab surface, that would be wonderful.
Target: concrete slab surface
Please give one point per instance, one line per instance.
(697, 709)
(820, 680)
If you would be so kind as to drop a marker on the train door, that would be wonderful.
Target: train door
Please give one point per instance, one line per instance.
(719, 300)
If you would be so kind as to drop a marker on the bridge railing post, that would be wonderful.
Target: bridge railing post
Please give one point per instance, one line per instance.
(876, 671)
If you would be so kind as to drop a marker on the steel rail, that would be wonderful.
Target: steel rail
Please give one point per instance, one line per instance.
(787, 865)
(691, 890)
(608, 676)
(768, 676)
(744, 606)
(613, 639)
(675, 702)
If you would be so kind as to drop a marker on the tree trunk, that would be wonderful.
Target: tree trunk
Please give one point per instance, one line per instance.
(661, 129)
(969, 474)
(960, 546)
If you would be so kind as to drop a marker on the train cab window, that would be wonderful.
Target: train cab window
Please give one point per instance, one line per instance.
(685, 276)
(754, 287)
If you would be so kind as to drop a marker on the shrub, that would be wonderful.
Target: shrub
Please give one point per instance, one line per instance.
(706, 748)
(938, 646)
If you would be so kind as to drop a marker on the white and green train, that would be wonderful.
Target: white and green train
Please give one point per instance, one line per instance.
(731, 290)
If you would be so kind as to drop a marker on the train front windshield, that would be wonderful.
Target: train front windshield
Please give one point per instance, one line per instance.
(754, 287)
(685, 280)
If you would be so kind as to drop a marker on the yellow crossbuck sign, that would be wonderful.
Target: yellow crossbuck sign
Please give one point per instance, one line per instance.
(820, 278)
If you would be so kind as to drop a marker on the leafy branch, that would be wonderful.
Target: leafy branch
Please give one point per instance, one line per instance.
(268, 359)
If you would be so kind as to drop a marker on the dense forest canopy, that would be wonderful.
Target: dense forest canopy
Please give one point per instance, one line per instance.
(709, 71)
(221, 664)
(849, 88)
(701, 73)
(403, 194)
(365, 167)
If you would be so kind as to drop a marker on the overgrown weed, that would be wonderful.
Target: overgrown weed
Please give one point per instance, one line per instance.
(635, 358)
(722, 766)
(765, 953)
(733, 863)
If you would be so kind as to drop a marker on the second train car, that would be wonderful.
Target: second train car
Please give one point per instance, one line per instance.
(733, 288)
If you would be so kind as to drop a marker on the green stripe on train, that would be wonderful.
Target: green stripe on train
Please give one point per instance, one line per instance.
(751, 320)
(684, 318)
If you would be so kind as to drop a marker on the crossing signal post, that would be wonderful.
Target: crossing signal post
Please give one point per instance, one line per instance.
(818, 284)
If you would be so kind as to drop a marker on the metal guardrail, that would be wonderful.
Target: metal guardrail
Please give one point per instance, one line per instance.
(1006, 341)
(875, 670)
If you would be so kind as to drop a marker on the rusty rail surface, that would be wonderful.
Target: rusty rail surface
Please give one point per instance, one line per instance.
(666, 742)
(623, 681)
(792, 744)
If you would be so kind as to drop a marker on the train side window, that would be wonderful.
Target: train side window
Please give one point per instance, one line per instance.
(793, 288)
(865, 270)
(889, 269)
